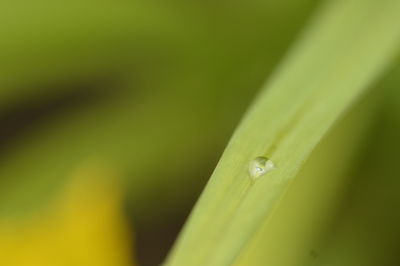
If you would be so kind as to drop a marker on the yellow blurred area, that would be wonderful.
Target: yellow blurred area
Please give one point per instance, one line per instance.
(84, 226)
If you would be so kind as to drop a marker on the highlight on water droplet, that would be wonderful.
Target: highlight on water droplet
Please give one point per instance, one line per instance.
(260, 166)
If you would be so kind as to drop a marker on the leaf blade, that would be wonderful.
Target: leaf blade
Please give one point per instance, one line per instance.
(347, 47)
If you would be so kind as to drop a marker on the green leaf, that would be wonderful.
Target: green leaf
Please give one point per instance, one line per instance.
(305, 213)
(366, 230)
(347, 46)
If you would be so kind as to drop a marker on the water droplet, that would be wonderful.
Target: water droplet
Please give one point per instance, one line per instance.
(260, 166)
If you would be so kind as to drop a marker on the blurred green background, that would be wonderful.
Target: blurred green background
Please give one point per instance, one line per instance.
(153, 90)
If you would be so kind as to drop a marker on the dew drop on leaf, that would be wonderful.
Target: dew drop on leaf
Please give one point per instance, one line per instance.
(260, 166)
